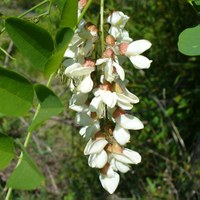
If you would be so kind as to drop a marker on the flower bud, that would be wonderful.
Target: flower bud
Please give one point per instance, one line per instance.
(83, 3)
(110, 40)
(92, 29)
(123, 48)
(108, 53)
(89, 63)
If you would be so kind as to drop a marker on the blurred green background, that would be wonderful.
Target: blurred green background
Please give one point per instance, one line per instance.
(169, 95)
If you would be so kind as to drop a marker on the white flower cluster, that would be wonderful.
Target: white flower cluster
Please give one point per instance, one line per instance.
(102, 114)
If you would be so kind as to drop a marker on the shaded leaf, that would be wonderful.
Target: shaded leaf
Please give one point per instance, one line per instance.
(26, 176)
(60, 4)
(16, 93)
(63, 38)
(189, 41)
(6, 150)
(34, 42)
(50, 105)
(69, 14)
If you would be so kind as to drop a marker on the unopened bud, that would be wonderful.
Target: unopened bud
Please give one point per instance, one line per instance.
(110, 40)
(123, 48)
(118, 112)
(83, 3)
(108, 53)
(92, 29)
(89, 63)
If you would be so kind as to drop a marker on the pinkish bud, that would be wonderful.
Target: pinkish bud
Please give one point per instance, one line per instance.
(83, 3)
(89, 63)
(123, 48)
(108, 53)
(110, 40)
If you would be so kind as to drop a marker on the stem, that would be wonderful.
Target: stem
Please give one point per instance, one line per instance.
(33, 8)
(28, 11)
(84, 11)
(27, 140)
(101, 25)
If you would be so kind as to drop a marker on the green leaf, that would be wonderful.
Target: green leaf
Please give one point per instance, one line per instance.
(16, 93)
(50, 105)
(6, 150)
(26, 176)
(60, 4)
(69, 14)
(34, 42)
(189, 41)
(63, 38)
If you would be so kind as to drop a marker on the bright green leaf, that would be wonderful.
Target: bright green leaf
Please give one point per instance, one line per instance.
(60, 4)
(50, 105)
(69, 14)
(34, 42)
(26, 176)
(6, 150)
(189, 41)
(16, 93)
(63, 38)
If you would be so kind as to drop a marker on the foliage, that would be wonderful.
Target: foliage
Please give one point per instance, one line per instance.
(169, 94)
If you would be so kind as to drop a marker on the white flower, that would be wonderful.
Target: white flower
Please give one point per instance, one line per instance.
(95, 146)
(111, 67)
(76, 69)
(89, 130)
(105, 96)
(85, 85)
(130, 122)
(128, 156)
(121, 135)
(119, 166)
(109, 183)
(118, 19)
(98, 160)
(133, 51)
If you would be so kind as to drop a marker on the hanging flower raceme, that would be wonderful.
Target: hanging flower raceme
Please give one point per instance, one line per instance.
(100, 96)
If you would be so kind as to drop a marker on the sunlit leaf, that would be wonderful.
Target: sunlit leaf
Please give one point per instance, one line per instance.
(69, 14)
(6, 150)
(34, 42)
(26, 176)
(50, 105)
(189, 41)
(16, 93)
(63, 39)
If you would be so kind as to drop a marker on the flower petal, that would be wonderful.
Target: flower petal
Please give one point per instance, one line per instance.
(140, 62)
(137, 47)
(108, 97)
(129, 122)
(98, 160)
(82, 71)
(132, 155)
(121, 135)
(86, 85)
(95, 146)
(109, 183)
